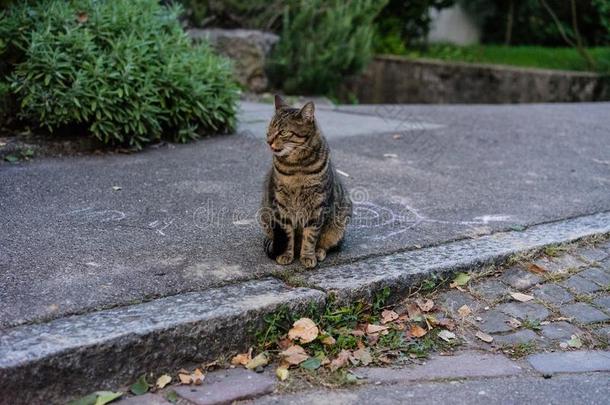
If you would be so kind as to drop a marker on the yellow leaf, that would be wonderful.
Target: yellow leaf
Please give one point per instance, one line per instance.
(304, 330)
(163, 381)
(185, 378)
(258, 361)
(328, 340)
(282, 373)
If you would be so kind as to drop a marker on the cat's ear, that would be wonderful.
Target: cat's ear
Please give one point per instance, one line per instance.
(280, 103)
(307, 111)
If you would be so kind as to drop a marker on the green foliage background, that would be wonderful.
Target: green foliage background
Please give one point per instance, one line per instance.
(122, 70)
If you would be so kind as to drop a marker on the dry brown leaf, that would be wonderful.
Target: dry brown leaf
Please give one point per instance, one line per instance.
(242, 358)
(357, 332)
(514, 323)
(371, 329)
(372, 339)
(82, 17)
(425, 305)
(185, 378)
(446, 335)
(413, 310)
(304, 330)
(417, 331)
(341, 360)
(363, 356)
(464, 311)
(388, 316)
(517, 296)
(198, 377)
(484, 337)
(163, 381)
(534, 268)
(294, 355)
(446, 323)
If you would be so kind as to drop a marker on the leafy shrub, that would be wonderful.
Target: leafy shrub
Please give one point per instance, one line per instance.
(121, 69)
(255, 14)
(405, 23)
(321, 42)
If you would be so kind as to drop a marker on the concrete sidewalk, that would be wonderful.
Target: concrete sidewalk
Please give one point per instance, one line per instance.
(183, 219)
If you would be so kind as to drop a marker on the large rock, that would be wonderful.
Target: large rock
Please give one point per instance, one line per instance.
(247, 48)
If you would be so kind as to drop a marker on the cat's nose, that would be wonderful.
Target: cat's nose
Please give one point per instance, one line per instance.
(274, 147)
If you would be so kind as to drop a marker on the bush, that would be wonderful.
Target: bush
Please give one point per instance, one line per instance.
(254, 14)
(321, 42)
(121, 69)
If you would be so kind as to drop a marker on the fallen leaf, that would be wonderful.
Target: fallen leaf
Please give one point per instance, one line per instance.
(140, 387)
(446, 323)
(446, 335)
(304, 330)
(117, 188)
(185, 378)
(357, 332)
(328, 340)
(363, 356)
(563, 345)
(464, 311)
(575, 342)
(396, 136)
(373, 339)
(242, 358)
(425, 304)
(341, 360)
(413, 310)
(371, 329)
(163, 381)
(484, 337)
(282, 373)
(417, 331)
(104, 397)
(259, 361)
(521, 297)
(460, 280)
(198, 376)
(514, 323)
(388, 316)
(534, 268)
(294, 355)
(312, 363)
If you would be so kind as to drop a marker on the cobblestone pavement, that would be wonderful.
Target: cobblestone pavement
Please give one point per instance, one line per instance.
(547, 319)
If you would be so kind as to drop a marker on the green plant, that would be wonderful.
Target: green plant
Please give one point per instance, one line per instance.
(258, 14)
(121, 70)
(321, 42)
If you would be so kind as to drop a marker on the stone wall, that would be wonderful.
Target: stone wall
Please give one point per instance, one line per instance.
(394, 79)
(248, 49)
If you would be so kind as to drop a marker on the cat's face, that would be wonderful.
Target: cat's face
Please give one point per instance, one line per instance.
(290, 129)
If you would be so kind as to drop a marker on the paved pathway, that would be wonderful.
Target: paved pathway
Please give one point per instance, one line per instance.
(182, 220)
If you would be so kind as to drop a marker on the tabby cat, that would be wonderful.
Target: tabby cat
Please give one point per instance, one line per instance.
(305, 207)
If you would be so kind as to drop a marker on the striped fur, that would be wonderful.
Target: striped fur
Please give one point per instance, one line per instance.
(305, 207)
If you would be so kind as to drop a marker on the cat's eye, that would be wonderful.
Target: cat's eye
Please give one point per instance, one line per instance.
(286, 134)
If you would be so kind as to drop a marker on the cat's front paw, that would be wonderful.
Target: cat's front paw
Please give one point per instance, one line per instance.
(309, 261)
(285, 258)
(320, 254)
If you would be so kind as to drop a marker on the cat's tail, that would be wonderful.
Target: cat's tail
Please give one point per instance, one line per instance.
(277, 246)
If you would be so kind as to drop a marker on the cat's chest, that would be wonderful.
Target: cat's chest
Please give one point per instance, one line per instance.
(297, 192)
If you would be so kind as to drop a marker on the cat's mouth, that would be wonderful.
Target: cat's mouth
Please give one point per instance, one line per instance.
(281, 152)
